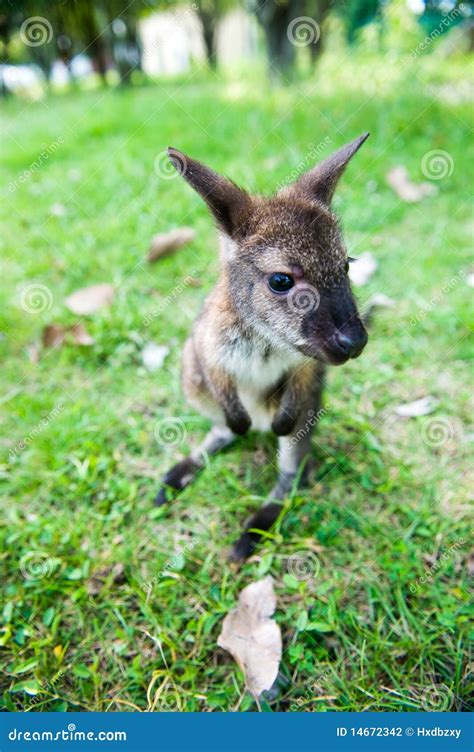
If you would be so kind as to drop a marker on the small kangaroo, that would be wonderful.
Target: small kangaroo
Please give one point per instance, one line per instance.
(282, 309)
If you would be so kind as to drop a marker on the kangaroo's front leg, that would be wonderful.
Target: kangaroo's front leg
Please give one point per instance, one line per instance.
(224, 391)
(237, 421)
(293, 451)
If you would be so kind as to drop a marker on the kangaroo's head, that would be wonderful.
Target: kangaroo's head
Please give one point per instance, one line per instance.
(284, 260)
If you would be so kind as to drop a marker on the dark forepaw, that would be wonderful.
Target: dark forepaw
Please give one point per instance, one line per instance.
(239, 422)
(242, 548)
(176, 479)
(283, 423)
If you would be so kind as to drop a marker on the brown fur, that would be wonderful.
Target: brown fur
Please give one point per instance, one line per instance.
(257, 357)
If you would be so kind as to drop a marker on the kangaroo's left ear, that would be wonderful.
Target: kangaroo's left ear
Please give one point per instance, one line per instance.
(230, 205)
(320, 183)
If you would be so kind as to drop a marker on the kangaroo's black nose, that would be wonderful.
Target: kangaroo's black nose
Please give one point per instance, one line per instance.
(351, 344)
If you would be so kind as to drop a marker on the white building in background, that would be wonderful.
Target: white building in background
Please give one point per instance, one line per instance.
(171, 40)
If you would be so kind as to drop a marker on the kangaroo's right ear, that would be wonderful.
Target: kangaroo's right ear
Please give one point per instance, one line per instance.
(230, 205)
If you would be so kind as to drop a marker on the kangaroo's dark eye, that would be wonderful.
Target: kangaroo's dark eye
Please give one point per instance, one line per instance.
(280, 282)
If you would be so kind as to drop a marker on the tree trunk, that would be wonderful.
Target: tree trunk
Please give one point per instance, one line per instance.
(320, 13)
(275, 18)
(91, 34)
(209, 17)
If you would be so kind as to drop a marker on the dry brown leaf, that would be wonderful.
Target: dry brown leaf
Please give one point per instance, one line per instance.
(80, 335)
(54, 335)
(90, 299)
(252, 637)
(166, 243)
(399, 180)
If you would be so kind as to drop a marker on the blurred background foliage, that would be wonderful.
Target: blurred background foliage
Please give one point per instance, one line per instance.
(53, 43)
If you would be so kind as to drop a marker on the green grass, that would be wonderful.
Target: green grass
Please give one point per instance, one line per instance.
(115, 618)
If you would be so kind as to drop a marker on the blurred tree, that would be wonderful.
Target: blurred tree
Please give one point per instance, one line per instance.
(210, 12)
(122, 21)
(358, 13)
(275, 17)
(440, 16)
(290, 24)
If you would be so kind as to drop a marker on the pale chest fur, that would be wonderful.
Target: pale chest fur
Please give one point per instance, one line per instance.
(256, 371)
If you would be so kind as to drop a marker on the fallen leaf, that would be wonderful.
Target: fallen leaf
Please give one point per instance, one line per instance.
(423, 406)
(399, 180)
(54, 335)
(90, 299)
(166, 243)
(80, 335)
(252, 637)
(361, 270)
(153, 356)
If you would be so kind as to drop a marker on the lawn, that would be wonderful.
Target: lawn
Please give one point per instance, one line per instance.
(112, 604)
